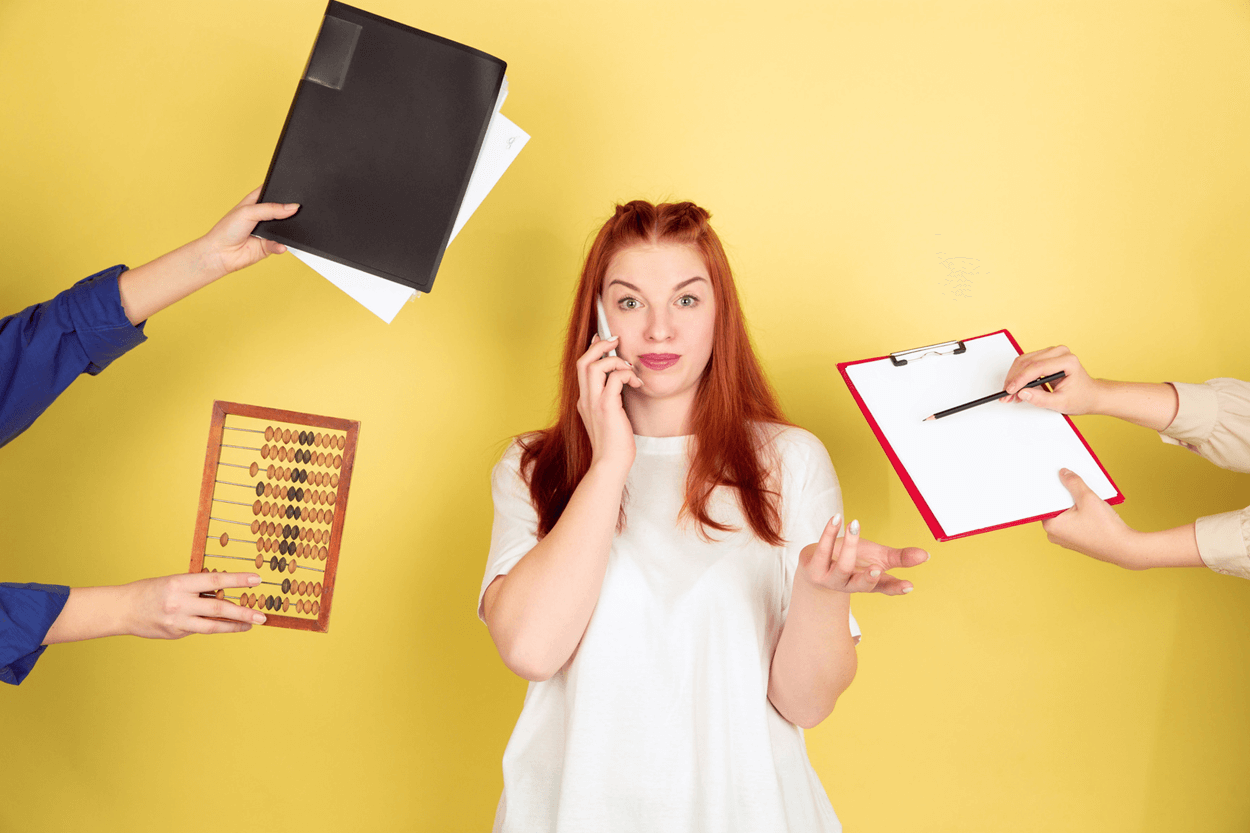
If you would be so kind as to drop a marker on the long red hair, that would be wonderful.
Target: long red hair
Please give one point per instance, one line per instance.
(733, 401)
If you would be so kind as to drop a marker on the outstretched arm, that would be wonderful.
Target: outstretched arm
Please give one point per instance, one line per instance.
(169, 607)
(228, 247)
(815, 659)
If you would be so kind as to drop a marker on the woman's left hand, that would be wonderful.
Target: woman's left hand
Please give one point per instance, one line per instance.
(854, 565)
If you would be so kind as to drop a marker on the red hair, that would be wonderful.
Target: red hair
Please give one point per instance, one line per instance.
(732, 404)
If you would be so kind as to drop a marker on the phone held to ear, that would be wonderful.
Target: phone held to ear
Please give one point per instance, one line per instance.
(604, 332)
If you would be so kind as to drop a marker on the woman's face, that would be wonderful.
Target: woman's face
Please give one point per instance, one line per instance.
(659, 303)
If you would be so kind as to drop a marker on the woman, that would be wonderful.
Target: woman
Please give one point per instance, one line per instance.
(1212, 419)
(665, 565)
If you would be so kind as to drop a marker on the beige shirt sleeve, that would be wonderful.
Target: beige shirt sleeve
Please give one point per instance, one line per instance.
(1213, 419)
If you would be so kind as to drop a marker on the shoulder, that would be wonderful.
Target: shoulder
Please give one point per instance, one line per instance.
(508, 469)
(793, 445)
(800, 458)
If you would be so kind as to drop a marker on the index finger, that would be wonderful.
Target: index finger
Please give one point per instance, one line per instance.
(1038, 369)
(1026, 359)
(205, 582)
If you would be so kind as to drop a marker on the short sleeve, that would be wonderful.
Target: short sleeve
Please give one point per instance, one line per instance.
(811, 496)
(27, 612)
(515, 529)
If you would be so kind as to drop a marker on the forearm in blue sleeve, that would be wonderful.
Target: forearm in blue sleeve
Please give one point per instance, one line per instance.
(45, 347)
(27, 611)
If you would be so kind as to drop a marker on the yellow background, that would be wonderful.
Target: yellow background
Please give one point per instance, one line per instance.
(1088, 158)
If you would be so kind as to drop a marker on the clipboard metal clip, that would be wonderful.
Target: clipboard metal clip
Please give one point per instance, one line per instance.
(903, 357)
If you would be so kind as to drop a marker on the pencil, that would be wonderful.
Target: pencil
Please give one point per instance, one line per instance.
(994, 397)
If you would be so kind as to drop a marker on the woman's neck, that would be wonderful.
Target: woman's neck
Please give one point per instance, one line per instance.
(668, 417)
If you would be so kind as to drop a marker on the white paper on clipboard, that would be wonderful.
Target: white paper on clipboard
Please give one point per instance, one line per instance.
(991, 465)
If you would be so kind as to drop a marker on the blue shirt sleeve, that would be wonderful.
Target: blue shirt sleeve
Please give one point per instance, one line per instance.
(47, 346)
(27, 611)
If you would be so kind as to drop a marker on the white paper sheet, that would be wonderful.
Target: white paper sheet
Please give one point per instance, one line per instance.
(985, 466)
(500, 146)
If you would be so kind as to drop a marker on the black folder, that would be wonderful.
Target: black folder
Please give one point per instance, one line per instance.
(379, 144)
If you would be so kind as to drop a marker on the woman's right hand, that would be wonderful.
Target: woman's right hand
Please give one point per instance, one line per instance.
(1076, 393)
(602, 378)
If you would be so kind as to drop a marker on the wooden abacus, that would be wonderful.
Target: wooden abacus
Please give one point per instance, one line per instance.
(300, 483)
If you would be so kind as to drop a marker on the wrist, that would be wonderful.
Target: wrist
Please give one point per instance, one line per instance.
(206, 261)
(615, 468)
(1102, 398)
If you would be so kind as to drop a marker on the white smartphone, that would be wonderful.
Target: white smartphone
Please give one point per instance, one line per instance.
(604, 332)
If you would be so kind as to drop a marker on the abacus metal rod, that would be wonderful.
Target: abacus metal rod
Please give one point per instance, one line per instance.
(228, 521)
(244, 447)
(253, 430)
(235, 502)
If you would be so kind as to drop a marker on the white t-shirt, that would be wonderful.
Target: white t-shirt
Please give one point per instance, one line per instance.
(661, 719)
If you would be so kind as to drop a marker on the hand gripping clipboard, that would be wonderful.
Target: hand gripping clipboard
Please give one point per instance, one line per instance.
(986, 468)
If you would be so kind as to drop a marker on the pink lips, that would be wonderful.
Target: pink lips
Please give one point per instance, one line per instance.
(658, 361)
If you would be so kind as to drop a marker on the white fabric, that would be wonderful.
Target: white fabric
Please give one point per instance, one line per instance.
(661, 720)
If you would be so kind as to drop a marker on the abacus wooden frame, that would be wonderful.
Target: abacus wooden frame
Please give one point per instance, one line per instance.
(212, 460)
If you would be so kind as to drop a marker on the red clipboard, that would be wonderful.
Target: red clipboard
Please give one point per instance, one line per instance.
(952, 347)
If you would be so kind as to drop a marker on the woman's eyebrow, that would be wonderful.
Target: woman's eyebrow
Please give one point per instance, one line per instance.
(675, 288)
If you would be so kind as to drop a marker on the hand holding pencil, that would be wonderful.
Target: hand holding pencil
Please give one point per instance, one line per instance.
(1074, 394)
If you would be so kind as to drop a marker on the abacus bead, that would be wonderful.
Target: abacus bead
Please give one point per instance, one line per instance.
(256, 508)
(334, 497)
(286, 605)
(330, 516)
(221, 595)
(268, 433)
(252, 471)
(286, 435)
(225, 539)
(264, 452)
(260, 488)
(269, 472)
(255, 527)
(273, 562)
(291, 566)
(286, 531)
(322, 553)
(286, 585)
(282, 547)
(282, 565)
(260, 559)
(334, 481)
(316, 439)
(260, 544)
(338, 461)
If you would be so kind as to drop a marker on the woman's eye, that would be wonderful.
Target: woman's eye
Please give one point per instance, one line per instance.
(687, 301)
(629, 303)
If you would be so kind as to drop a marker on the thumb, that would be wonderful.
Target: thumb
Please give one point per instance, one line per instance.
(1041, 398)
(267, 211)
(1076, 487)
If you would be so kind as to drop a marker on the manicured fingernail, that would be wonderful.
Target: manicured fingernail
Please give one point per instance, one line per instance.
(291, 205)
(908, 589)
(875, 573)
(253, 579)
(836, 519)
(853, 528)
(258, 618)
